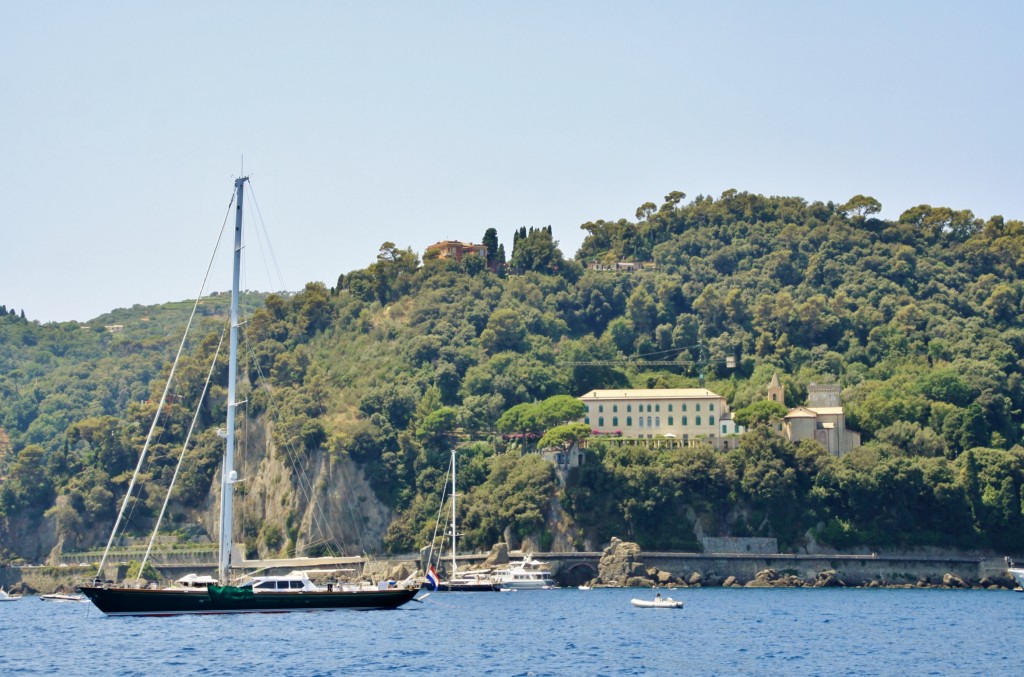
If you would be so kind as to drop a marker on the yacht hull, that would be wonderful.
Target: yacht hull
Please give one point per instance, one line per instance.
(444, 586)
(115, 601)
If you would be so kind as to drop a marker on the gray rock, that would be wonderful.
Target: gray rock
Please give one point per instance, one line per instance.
(953, 581)
(620, 561)
(497, 556)
(695, 578)
(399, 572)
(828, 579)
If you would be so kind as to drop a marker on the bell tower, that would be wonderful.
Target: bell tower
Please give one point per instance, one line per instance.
(776, 393)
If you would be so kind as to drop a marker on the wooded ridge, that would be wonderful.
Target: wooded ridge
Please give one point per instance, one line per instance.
(355, 393)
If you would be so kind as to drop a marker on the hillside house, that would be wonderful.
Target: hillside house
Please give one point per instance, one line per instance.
(676, 416)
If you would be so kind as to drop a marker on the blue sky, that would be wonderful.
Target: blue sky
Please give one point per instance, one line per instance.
(124, 123)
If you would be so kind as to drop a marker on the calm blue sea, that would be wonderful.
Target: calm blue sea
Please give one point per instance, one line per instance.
(560, 632)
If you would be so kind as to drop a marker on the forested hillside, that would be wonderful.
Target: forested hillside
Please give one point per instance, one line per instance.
(918, 319)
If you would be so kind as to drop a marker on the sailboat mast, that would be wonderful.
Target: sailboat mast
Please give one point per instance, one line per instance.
(455, 532)
(228, 474)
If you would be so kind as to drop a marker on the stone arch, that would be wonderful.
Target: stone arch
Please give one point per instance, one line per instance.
(578, 574)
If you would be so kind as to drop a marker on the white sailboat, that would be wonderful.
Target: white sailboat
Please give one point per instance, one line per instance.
(468, 581)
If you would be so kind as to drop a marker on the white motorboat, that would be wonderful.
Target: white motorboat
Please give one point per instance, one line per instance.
(62, 597)
(525, 574)
(658, 602)
(5, 597)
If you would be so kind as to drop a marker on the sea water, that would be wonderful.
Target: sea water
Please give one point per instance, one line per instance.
(559, 632)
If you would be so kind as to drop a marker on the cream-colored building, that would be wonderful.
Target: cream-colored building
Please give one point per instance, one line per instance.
(687, 415)
(822, 419)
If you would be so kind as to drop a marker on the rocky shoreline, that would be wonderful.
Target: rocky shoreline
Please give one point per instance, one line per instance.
(621, 565)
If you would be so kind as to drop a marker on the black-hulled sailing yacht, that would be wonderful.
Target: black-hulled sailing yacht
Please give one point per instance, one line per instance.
(294, 592)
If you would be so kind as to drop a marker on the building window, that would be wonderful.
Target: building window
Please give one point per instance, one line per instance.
(657, 407)
(640, 421)
(615, 421)
(711, 420)
(684, 407)
(629, 408)
(648, 408)
(657, 421)
(698, 406)
(696, 420)
(670, 420)
(587, 420)
(737, 426)
(629, 420)
(724, 429)
(684, 420)
(615, 408)
(600, 422)
(600, 408)
(711, 407)
(670, 406)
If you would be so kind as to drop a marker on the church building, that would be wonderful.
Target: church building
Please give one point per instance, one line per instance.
(822, 418)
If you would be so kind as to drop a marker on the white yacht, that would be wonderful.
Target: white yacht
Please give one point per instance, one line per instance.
(1018, 575)
(526, 574)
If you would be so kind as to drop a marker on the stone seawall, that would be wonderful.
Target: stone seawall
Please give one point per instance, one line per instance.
(851, 569)
(638, 567)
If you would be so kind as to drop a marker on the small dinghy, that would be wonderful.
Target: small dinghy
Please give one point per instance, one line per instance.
(61, 597)
(657, 603)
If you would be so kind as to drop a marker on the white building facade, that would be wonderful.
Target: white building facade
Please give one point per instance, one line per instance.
(687, 415)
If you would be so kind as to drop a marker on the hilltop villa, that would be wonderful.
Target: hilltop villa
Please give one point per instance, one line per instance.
(453, 249)
(684, 415)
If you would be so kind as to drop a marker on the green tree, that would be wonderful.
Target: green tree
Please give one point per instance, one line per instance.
(862, 205)
(537, 251)
(760, 413)
(505, 331)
